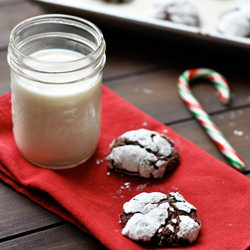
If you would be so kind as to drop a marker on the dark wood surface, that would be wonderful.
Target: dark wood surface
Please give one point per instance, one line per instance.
(142, 69)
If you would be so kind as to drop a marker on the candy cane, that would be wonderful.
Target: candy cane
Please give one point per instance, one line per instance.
(200, 114)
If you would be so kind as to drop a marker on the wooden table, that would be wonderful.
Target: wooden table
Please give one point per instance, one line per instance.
(142, 68)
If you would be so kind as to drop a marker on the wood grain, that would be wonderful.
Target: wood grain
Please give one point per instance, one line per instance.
(11, 15)
(4, 73)
(144, 71)
(66, 237)
(19, 214)
(156, 94)
(10, 2)
(234, 125)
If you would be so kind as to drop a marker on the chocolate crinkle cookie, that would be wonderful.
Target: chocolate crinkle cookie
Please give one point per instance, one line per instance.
(143, 153)
(178, 11)
(161, 219)
(236, 21)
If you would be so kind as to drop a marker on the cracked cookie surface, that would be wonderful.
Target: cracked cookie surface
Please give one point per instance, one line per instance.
(161, 219)
(143, 153)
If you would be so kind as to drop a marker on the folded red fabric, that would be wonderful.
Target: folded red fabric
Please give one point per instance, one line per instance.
(92, 200)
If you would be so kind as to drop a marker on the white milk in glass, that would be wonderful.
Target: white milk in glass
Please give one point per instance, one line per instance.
(56, 124)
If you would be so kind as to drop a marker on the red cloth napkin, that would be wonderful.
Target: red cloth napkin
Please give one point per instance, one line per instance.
(92, 200)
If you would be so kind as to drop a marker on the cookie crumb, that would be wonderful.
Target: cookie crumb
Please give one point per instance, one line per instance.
(231, 124)
(238, 132)
(127, 185)
(148, 91)
(136, 90)
(141, 187)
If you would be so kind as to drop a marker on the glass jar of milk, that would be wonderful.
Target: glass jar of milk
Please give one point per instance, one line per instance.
(56, 66)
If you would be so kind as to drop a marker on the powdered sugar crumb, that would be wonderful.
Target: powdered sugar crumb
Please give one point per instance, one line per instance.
(148, 91)
(99, 161)
(136, 90)
(108, 173)
(145, 124)
(238, 132)
(232, 115)
(127, 185)
(175, 188)
(141, 187)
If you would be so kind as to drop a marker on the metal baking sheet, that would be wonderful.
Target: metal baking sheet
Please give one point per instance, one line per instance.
(143, 14)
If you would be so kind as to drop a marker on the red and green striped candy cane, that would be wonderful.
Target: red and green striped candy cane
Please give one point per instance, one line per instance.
(201, 115)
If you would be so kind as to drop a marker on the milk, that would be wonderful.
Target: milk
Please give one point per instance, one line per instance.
(56, 125)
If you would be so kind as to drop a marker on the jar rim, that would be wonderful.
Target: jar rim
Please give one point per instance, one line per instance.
(99, 50)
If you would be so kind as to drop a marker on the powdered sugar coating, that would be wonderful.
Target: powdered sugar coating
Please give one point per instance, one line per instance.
(177, 196)
(188, 228)
(236, 21)
(143, 225)
(178, 11)
(149, 140)
(184, 206)
(142, 152)
(181, 203)
(134, 159)
(143, 202)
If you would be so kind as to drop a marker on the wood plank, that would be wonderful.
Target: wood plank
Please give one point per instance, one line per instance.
(4, 73)
(16, 212)
(234, 125)
(66, 237)
(124, 64)
(156, 93)
(10, 2)
(11, 15)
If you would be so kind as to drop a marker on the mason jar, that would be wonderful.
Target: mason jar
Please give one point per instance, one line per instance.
(56, 64)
